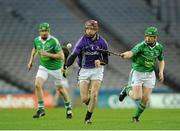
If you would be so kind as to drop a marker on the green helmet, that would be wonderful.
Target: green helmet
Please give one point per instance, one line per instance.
(44, 26)
(151, 31)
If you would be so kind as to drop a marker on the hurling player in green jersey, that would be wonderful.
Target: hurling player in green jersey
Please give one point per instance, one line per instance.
(142, 76)
(51, 58)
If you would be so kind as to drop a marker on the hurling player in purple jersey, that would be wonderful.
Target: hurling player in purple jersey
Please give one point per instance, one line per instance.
(91, 63)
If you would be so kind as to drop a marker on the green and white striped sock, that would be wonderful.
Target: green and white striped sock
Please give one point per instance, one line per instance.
(41, 105)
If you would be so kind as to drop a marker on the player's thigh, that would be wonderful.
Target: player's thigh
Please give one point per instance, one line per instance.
(84, 89)
(136, 82)
(137, 92)
(41, 76)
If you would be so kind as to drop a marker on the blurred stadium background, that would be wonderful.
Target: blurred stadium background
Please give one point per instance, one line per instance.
(122, 23)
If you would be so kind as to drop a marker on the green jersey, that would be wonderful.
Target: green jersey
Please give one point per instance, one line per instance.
(144, 56)
(51, 45)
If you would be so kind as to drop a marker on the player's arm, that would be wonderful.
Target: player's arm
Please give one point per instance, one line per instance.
(161, 64)
(77, 50)
(126, 55)
(71, 60)
(104, 55)
(59, 55)
(33, 53)
(161, 70)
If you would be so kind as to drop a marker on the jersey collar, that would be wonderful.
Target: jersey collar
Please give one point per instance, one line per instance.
(49, 37)
(150, 46)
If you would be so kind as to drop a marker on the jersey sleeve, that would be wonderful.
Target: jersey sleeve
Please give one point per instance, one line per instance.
(161, 55)
(136, 49)
(105, 45)
(104, 56)
(57, 47)
(78, 47)
(34, 44)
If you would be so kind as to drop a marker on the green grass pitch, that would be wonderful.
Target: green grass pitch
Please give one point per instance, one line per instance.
(103, 119)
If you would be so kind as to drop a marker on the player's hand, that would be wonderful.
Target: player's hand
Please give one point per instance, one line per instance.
(122, 55)
(161, 77)
(97, 63)
(64, 72)
(29, 66)
(44, 53)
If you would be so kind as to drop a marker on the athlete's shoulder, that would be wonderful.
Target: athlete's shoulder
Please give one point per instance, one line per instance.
(81, 40)
(36, 39)
(54, 39)
(159, 45)
(102, 39)
(142, 43)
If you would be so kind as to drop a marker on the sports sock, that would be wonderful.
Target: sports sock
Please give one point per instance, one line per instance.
(128, 89)
(41, 105)
(88, 115)
(140, 108)
(68, 105)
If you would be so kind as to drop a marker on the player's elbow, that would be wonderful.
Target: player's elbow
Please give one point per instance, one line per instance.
(60, 56)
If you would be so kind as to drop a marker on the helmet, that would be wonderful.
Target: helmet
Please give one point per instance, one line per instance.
(93, 23)
(151, 31)
(44, 26)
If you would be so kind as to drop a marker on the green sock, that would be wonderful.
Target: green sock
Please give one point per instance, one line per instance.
(128, 89)
(68, 105)
(140, 108)
(41, 105)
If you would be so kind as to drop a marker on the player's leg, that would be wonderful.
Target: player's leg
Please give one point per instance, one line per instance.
(134, 88)
(84, 91)
(95, 86)
(83, 79)
(142, 104)
(85, 98)
(148, 85)
(136, 95)
(63, 91)
(59, 82)
(41, 77)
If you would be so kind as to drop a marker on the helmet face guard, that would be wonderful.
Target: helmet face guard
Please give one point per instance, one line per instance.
(151, 31)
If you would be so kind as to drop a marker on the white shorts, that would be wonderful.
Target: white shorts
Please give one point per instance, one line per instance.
(146, 79)
(56, 74)
(91, 74)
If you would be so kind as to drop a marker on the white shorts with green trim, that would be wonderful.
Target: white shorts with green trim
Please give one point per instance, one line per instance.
(145, 79)
(56, 74)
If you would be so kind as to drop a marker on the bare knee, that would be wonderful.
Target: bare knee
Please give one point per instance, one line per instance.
(38, 85)
(145, 100)
(94, 95)
(137, 97)
(59, 88)
(85, 99)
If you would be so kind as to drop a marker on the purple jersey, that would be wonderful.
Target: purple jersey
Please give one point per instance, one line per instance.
(88, 51)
